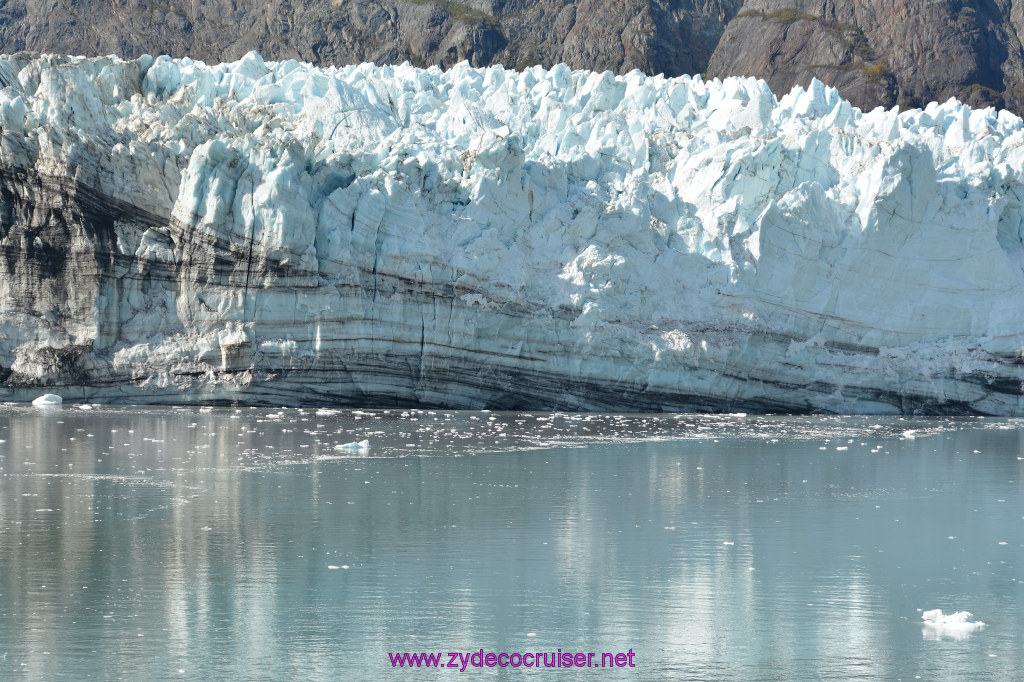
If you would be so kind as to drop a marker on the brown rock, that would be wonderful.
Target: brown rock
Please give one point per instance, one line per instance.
(877, 52)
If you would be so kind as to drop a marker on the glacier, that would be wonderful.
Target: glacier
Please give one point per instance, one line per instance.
(276, 233)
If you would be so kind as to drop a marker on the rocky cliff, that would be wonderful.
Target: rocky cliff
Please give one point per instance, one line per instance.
(660, 36)
(882, 52)
(876, 52)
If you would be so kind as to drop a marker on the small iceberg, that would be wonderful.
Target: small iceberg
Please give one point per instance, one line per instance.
(48, 400)
(956, 625)
(361, 447)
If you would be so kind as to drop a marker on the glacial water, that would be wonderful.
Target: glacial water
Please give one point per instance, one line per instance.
(197, 543)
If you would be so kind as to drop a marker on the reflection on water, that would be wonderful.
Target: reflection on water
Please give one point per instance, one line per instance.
(148, 543)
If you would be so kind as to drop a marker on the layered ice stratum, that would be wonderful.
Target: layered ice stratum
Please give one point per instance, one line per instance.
(548, 239)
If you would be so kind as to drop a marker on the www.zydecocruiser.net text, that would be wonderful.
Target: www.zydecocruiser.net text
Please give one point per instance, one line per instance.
(463, 660)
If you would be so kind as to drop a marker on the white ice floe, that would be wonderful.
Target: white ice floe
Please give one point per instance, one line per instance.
(48, 400)
(956, 625)
(362, 446)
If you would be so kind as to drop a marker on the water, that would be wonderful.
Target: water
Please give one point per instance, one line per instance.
(179, 543)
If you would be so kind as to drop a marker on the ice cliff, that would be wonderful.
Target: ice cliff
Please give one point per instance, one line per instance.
(549, 239)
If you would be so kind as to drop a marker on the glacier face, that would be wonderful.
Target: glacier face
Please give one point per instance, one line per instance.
(277, 233)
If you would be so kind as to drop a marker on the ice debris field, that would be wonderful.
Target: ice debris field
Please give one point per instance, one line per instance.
(283, 436)
(546, 239)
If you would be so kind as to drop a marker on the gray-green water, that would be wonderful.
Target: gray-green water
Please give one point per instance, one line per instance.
(162, 543)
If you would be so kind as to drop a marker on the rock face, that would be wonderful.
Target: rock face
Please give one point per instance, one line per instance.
(668, 36)
(276, 233)
(876, 52)
(882, 52)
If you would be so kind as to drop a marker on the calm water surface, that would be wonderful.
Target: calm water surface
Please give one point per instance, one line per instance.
(187, 543)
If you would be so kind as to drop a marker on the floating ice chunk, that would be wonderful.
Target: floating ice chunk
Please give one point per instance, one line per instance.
(910, 435)
(956, 625)
(361, 447)
(84, 406)
(48, 400)
(965, 618)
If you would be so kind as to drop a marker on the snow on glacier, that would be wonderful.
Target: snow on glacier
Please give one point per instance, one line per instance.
(547, 238)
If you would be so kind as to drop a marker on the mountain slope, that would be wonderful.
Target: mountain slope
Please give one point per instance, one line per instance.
(882, 52)
(660, 36)
(876, 52)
